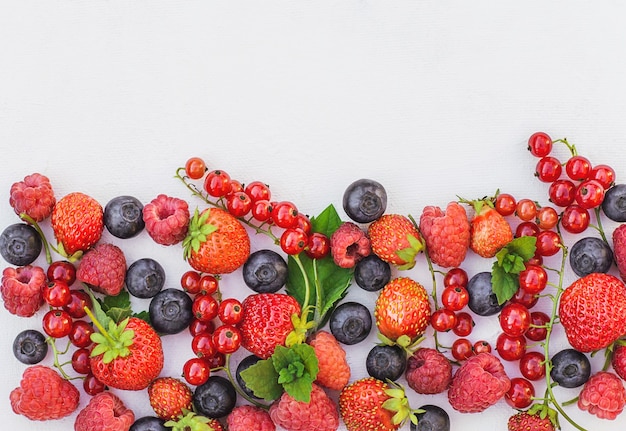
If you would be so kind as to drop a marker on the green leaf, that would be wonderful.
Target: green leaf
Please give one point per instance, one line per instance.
(524, 247)
(117, 307)
(98, 312)
(327, 222)
(297, 367)
(262, 379)
(503, 284)
(143, 315)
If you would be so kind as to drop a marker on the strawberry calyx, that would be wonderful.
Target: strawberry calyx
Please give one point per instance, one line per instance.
(543, 411)
(404, 341)
(189, 421)
(409, 253)
(301, 327)
(198, 232)
(399, 404)
(113, 342)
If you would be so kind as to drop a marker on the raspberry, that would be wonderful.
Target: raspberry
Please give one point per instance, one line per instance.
(334, 371)
(43, 395)
(619, 249)
(603, 395)
(524, 421)
(348, 245)
(320, 414)
(428, 371)
(246, 418)
(33, 196)
(166, 219)
(104, 268)
(478, 384)
(618, 360)
(22, 289)
(105, 412)
(447, 234)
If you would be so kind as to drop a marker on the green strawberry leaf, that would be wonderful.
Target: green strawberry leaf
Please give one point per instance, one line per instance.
(262, 379)
(327, 222)
(510, 261)
(98, 312)
(297, 368)
(117, 307)
(503, 284)
(143, 315)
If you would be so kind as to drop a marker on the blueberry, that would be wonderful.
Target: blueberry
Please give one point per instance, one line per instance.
(145, 278)
(482, 299)
(570, 368)
(614, 203)
(365, 200)
(386, 362)
(20, 244)
(433, 418)
(265, 271)
(371, 273)
(244, 364)
(170, 311)
(216, 398)
(149, 423)
(123, 216)
(350, 323)
(30, 347)
(589, 255)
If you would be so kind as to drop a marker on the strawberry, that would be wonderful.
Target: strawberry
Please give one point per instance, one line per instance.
(489, 230)
(402, 309)
(128, 355)
(77, 222)
(394, 239)
(169, 396)
(267, 320)
(216, 242)
(524, 421)
(601, 298)
(191, 421)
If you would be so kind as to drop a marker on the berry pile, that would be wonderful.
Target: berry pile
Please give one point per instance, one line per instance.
(277, 359)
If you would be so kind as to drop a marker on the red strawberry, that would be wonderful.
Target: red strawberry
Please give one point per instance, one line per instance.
(319, 414)
(489, 230)
(22, 289)
(169, 397)
(334, 370)
(447, 235)
(43, 395)
(266, 322)
(395, 240)
(524, 421)
(402, 309)
(192, 421)
(77, 222)
(104, 268)
(130, 357)
(33, 196)
(166, 219)
(217, 243)
(603, 395)
(105, 411)
(602, 299)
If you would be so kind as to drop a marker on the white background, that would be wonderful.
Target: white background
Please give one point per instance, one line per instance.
(432, 99)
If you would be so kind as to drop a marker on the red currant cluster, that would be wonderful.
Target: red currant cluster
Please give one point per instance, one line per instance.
(252, 204)
(209, 343)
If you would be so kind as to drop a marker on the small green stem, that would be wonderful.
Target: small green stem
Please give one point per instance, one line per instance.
(238, 389)
(57, 353)
(99, 326)
(35, 225)
(307, 284)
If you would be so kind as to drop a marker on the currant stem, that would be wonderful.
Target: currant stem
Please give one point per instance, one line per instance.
(240, 391)
(35, 225)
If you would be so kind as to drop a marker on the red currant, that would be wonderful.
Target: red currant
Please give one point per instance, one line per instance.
(548, 243)
(195, 168)
(464, 324)
(217, 183)
(200, 326)
(80, 334)
(539, 144)
(92, 385)
(318, 246)
(442, 320)
(526, 209)
(482, 346)
(209, 284)
(514, 319)
(227, 339)
(57, 293)
(79, 300)
(604, 174)
(455, 298)
(462, 349)
(261, 210)
(62, 270)
(505, 204)
(57, 323)
(538, 329)
(80, 361)
(284, 214)
(528, 300)
(203, 346)
(548, 169)
(521, 393)
(293, 241)
(547, 218)
(304, 223)
(532, 366)
(235, 187)
(258, 191)
(575, 219)
(578, 168)
(196, 371)
(533, 279)
(562, 192)
(526, 228)
(216, 361)
(230, 311)
(455, 277)
(205, 307)
(510, 348)
(238, 204)
(190, 282)
(589, 194)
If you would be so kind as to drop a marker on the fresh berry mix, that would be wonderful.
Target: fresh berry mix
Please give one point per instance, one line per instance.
(278, 357)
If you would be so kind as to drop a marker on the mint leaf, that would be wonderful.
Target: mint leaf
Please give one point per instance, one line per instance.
(503, 284)
(524, 247)
(262, 379)
(510, 261)
(297, 367)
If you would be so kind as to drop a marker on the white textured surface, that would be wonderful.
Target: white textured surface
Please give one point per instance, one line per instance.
(433, 99)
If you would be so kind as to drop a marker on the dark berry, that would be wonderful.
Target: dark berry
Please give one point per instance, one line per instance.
(614, 203)
(149, 423)
(386, 362)
(265, 271)
(431, 418)
(170, 311)
(216, 398)
(30, 347)
(365, 200)
(371, 273)
(570, 368)
(244, 364)
(123, 217)
(145, 278)
(590, 254)
(482, 299)
(20, 244)
(350, 323)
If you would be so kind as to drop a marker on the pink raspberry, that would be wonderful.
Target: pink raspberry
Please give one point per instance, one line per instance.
(618, 360)
(43, 395)
(166, 219)
(22, 289)
(334, 371)
(33, 196)
(603, 395)
(447, 234)
(619, 249)
(478, 384)
(320, 414)
(246, 418)
(349, 244)
(105, 412)
(428, 371)
(104, 268)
